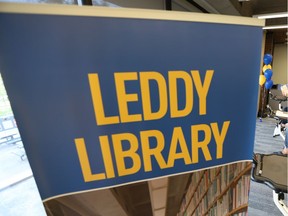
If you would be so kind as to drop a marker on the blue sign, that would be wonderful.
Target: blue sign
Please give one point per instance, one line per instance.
(105, 101)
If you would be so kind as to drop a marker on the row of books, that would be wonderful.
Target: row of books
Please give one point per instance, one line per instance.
(219, 189)
(195, 178)
(235, 198)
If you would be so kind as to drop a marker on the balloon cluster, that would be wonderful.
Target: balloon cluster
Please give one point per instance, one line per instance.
(267, 72)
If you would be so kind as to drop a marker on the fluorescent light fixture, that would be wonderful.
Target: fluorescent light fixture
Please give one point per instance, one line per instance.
(158, 190)
(272, 15)
(276, 27)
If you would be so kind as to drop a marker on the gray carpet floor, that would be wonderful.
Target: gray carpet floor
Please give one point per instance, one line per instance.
(261, 196)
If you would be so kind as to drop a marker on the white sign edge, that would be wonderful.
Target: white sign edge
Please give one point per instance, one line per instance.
(96, 11)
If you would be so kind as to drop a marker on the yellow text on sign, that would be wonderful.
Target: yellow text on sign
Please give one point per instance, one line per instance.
(178, 141)
(168, 95)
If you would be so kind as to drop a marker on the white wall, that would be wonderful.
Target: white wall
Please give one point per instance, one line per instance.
(279, 66)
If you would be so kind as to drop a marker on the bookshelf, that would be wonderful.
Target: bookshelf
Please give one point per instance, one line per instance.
(218, 191)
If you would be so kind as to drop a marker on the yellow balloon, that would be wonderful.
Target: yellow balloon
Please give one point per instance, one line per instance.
(262, 80)
(265, 67)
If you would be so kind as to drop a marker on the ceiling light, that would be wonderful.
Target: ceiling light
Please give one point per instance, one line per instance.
(158, 190)
(276, 27)
(271, 16)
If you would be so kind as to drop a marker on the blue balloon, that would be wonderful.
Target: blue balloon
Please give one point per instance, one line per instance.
(267, 59)
(268, 74)
(268, 84)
